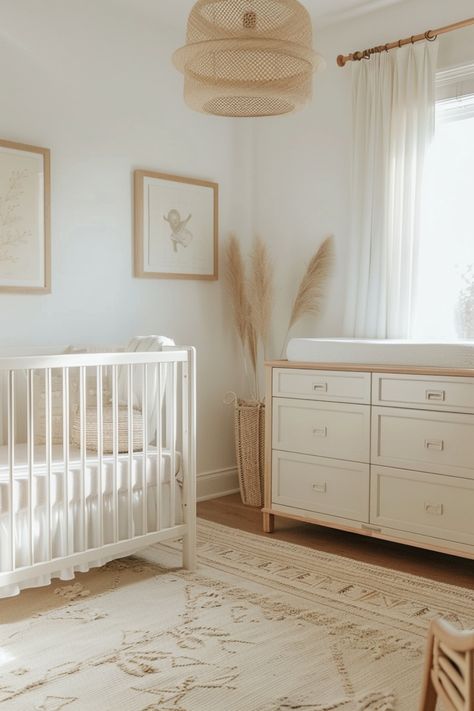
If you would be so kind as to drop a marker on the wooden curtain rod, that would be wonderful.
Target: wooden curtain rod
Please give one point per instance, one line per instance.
(430, 35)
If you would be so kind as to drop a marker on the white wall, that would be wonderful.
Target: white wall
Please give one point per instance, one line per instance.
(303, 161)
(93, 81)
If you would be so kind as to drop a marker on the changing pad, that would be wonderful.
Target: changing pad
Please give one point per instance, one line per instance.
(382, 352)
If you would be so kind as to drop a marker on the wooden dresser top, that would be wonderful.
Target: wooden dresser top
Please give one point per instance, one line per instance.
(375, 368)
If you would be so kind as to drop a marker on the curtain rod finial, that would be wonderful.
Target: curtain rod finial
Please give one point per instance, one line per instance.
(341, 61)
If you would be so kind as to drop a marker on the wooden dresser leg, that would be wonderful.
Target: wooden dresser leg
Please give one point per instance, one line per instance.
(429, 698)
(268, 523)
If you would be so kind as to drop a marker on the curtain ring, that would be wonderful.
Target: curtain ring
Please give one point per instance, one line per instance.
(412, 39)
(430, 36)
(386, 47)
(400, 43)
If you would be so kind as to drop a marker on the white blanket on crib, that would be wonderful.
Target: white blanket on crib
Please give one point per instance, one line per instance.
(145, 344)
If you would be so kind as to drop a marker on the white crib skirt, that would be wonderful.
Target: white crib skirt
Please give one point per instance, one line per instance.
(82, 520)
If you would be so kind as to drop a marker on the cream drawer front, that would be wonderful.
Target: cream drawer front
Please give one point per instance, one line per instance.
(438, 442)
(328, 429)
(429, 504)
(426, 393)
(322, 385)
(324, 486)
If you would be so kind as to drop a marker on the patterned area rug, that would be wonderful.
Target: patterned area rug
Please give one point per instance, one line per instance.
(262, 626)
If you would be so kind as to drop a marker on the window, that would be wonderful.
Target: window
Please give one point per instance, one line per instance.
(445, 303)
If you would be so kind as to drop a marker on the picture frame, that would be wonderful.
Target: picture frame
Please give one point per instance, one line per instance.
(25, 218)
(176, 232)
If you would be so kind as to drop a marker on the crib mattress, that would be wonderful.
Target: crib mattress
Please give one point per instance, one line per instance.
(130, 474)
(57, 459)
(382, 352)
(72, 502)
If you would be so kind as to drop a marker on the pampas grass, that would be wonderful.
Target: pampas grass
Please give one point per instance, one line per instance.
(237, 284)
(310, 295)
(308, 300)
(252, 298)
(252, 347)
(235, 274)
(261, 293)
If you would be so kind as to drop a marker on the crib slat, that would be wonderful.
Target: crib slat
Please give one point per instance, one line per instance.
(3, 407)
(115, 500)
(145, 450)
(30, 437)
(171, 437)
(82, 494)
(100, 448)
(11, 466)
(159, 443)
(130, 451)
(48, 438)
(188, 462)
(67, 544)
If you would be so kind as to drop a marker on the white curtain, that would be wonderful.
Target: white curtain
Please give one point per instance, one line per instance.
(393, 114)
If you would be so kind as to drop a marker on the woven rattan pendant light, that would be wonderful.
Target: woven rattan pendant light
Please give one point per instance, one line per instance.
(247, 57)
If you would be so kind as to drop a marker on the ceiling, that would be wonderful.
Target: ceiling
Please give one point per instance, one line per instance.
(323, 12)
(329, 11)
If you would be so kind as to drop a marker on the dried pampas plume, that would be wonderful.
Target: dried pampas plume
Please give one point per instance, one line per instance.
(252, 346)
(261, 293)
(252, 298)
(312, 287)
(236, 283)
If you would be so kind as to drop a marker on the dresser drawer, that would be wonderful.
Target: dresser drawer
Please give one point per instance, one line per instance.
(428, 504)
(325, 429)
(322, 385)
(439, 442)
(324, 486)
(426, 393)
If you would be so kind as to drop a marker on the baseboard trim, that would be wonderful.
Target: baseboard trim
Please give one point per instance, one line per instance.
(222, 482)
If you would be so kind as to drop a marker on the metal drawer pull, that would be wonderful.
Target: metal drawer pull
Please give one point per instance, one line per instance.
(320, 431)
(320, 488)
(437, 444)
(434, 509)
(320, 387)
(439, 395)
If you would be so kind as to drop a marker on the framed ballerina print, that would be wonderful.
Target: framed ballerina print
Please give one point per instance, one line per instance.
(25, 242)
(176, 227)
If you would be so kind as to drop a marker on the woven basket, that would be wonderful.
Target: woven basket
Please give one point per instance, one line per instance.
(107, 430)
(250, 450)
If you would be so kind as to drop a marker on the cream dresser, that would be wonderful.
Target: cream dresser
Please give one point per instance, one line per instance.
(377, 450)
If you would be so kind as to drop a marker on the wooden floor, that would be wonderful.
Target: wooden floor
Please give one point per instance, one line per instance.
(229, 511)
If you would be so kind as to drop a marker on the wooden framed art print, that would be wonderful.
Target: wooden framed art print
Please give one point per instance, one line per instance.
(176, 227)
(25, 239)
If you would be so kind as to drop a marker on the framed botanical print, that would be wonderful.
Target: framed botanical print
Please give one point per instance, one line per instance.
(25, 239)
(176, 227)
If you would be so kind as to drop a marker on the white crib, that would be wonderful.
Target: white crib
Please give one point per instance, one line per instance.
(97, 461)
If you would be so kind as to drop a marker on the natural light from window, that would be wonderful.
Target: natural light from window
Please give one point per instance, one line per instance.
(445, 304)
